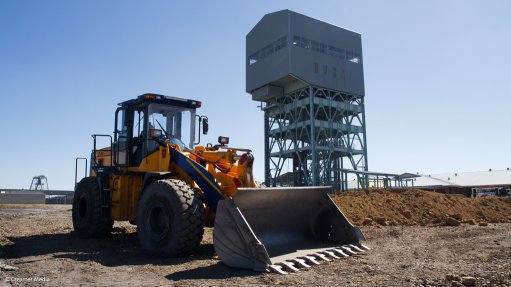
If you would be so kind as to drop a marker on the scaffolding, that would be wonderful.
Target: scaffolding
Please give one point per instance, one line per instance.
(314, 133)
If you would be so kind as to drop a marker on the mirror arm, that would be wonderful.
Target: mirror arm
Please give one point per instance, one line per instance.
(201, 118)
(200, 121)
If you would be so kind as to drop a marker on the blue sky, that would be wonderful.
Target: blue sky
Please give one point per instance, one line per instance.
(436, 74)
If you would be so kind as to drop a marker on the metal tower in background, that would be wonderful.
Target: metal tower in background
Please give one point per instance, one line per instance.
(308, 76)
(39, 182)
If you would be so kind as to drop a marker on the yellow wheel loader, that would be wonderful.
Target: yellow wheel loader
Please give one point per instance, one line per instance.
(171, 190)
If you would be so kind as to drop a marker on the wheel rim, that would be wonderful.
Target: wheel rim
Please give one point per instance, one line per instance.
(159, 221)
(82, 207)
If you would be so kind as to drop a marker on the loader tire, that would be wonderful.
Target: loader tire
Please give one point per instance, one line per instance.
(89, 218)
(170, 218)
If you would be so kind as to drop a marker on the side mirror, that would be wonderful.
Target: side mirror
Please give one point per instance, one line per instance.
(205, 126)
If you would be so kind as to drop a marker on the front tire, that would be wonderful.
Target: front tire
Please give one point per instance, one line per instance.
(89, 219)
(170, 218)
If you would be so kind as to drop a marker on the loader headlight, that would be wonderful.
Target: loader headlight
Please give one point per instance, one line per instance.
(223, 140)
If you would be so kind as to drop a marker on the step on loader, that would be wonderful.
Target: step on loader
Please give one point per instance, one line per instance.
(172, 190)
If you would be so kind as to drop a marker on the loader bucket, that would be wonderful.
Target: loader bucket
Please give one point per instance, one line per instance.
(277, 229)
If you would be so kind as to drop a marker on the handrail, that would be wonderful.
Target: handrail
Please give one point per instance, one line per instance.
(76, 168)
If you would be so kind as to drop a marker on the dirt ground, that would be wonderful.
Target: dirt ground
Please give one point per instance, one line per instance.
(39, 242)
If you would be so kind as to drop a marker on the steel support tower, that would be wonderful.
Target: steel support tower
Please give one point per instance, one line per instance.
(308, 76)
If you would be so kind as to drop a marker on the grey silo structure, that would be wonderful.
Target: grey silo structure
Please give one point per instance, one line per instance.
(308, 76)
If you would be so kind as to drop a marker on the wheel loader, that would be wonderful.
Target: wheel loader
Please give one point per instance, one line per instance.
(171, 190)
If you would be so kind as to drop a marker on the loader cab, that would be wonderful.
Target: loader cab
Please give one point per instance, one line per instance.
(144, 124)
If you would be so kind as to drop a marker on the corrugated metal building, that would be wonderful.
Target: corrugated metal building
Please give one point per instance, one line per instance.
(464, 182)
(22, 197)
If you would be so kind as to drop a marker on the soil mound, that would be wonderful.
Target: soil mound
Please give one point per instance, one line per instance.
(418, 207)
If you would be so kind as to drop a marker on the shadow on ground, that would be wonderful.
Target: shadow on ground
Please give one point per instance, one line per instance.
(216, 271)
(118, 249)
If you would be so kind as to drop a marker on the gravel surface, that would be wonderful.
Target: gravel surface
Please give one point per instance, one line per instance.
(39, 244)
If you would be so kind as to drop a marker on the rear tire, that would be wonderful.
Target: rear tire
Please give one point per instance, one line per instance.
(170, 218)
(89, 220)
